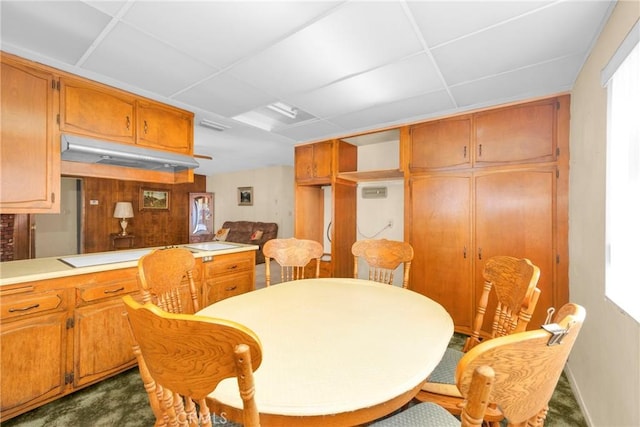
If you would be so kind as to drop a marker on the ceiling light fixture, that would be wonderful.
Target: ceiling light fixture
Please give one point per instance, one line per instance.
(283, 109)
(214, 125)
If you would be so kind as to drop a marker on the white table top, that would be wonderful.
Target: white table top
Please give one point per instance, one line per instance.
(335, 345)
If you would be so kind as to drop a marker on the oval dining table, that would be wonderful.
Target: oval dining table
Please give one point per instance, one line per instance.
(336, 352)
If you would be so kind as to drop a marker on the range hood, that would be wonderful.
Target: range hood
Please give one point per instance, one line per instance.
(85, 150)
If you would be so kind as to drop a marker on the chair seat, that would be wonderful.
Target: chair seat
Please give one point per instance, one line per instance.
(443, 378)
(422, 414)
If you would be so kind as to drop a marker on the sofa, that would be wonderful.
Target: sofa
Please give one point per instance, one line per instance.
(249, 232)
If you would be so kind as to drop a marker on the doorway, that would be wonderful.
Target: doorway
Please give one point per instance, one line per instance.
(61, 234)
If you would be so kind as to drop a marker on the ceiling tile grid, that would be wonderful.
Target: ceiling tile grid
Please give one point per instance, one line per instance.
(348, 67)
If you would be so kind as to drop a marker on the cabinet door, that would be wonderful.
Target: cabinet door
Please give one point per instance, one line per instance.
(322, 160)
(103, 341)
(96, 111)
(164, 128)
(441, 238)
(33, 359)
(515, 217)
(524, 133)
(313, 162)
(29, 157)
(443, 143)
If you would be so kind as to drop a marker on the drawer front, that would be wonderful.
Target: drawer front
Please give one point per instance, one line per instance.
(229, 286)
(230, 263)
(106, 286)
(16, 306)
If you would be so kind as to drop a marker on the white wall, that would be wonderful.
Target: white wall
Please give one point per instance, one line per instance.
(604, 365)
(273, 195)
(374, 215)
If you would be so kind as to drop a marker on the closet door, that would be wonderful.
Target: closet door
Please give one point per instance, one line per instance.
(441, 239)
(514, 215)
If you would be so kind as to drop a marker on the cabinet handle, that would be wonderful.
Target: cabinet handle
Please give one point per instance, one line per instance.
(479, 253)
(145, 127)
(128, 122)
(233, 267)
(231, 288)
(114, 291)
(31, 307)
(464, 252)
(480, 150)
(464, 151)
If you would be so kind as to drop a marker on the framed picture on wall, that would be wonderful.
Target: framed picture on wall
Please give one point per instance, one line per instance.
(151, 199)
(245, 196)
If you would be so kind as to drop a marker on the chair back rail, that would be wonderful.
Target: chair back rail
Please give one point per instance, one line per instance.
(293, 255)
(383, 257)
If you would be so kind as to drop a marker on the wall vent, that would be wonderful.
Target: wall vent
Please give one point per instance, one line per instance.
(374, 192)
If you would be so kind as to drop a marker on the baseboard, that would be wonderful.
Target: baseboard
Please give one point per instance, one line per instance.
(578, 395)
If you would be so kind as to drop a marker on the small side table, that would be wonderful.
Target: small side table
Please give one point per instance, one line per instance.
(118, 241)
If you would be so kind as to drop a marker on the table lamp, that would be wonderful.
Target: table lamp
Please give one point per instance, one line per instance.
(123, 211)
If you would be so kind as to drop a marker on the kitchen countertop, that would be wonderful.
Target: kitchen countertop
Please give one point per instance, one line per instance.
(29, 270)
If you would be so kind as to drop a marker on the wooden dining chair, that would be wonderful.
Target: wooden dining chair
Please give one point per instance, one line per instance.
(293, 255)
(162, 274)
(513, 282)
(383, 257)
(187, 356)
(527, 367)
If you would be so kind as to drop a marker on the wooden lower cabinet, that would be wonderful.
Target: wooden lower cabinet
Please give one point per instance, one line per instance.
(35, 337)
(60, 335)
(228, 275)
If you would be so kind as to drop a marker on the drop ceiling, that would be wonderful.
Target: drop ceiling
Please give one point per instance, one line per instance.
(347, 67)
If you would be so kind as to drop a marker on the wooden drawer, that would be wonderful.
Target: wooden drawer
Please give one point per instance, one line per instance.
(15, 306)
(229, 286)
(229, 263)
(107, 285)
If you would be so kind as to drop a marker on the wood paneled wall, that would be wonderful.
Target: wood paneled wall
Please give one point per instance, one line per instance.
(150, 227)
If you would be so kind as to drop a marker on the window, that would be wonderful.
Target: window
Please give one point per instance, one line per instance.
(622, 78)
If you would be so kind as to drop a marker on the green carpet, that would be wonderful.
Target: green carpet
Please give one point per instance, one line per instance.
(121, 401)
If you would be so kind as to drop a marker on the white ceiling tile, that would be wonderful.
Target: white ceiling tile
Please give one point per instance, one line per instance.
(309, 131)
(519, 43)
(111, 7)
(60, 30)
(441, 21)
(225, 95)
(222, 32)
(396, 112)
(550, 77)
(407, 78)
(129, 56)
(352, 39)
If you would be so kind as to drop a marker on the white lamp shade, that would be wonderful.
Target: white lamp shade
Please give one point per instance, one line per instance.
(123, 210)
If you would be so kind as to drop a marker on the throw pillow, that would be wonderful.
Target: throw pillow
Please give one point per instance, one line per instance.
(221, 235)
(257, 235)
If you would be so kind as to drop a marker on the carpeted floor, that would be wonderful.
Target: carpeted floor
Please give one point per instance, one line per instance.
(121, 401)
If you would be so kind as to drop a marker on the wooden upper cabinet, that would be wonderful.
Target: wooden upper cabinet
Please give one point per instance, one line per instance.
(96, 111)
(524, 133)
(443, 143)
(313, 163)
(164, 127)
(29, 155)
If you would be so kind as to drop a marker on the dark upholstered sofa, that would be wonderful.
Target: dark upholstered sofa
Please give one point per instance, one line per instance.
(241, 232)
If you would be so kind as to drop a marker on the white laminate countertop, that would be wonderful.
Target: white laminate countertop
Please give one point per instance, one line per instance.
(28, 270)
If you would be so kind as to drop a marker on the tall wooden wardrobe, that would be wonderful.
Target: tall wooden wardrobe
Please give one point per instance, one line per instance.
(484, 183)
